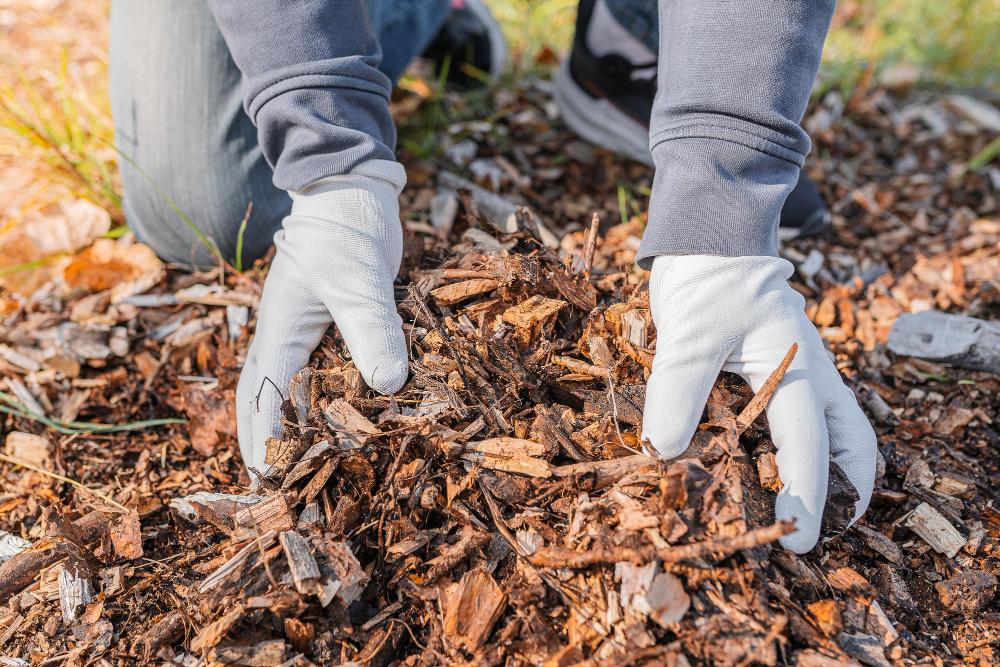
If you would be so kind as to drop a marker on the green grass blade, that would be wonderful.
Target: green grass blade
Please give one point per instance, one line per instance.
(13, 407)
(985, 156)
(238, 260)
(166, 199)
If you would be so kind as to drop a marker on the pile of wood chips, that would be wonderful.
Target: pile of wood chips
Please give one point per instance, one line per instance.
(500, 508)
(493, 510)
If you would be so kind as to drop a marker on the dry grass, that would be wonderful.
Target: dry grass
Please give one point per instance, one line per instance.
(55, 121)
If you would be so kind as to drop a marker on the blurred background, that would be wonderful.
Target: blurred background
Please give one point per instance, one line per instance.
(58, 186)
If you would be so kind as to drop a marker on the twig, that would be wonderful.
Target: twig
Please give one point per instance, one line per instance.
(263, 557)
(460, 367)
(62, 478)
(561, 557)
(763, 397)
(614, 411)
(261, 391)
(505, 533)
(590, 243)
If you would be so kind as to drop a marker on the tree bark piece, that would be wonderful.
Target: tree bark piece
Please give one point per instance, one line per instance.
(345, 419)
(216, 508)
(448, 295)
(877, 406)
(75, 591)
(269, 653)
(346, 571)
(967, 592)
(22, 569)
(223, 571)
(609, 471)
(272, 513)
(11, 545)
(305, 572)
(471, 607)
(936, 530)
(879, 543)
(164, 632)
(866, 648)
(959, 340)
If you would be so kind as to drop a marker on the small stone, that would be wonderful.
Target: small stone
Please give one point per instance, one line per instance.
(866, 648)
(967, 592)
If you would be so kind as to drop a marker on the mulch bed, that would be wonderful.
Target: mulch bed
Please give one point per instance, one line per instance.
(500, 509)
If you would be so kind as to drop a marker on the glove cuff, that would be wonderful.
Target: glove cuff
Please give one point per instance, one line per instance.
(686, 268)
(367, 198)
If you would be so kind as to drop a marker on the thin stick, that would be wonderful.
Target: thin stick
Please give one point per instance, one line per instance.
(561, 557)
(763, 397)
(61, 478)
(614, 411)
(263, 556)
(590, 243)
(505, 533)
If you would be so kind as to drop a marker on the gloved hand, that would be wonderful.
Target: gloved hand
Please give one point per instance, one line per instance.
(739, 314)
(338, 253)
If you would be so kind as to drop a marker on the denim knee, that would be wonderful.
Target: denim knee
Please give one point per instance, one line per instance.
(186, 214)
(190, 160)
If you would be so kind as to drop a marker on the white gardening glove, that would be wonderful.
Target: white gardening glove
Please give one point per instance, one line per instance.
(338, 253)
(739, 314)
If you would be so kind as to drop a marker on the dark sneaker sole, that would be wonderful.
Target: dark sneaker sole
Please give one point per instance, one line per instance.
(815, 224)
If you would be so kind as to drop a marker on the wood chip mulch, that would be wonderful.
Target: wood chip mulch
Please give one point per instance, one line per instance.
(500, 508)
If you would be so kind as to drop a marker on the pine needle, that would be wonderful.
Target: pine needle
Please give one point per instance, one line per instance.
(62, 478)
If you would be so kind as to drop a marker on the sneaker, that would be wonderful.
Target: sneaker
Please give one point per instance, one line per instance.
(608, 100)
(470, 44)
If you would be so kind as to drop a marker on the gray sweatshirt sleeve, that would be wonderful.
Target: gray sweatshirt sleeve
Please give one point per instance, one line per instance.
(311, 84)
(734, 81)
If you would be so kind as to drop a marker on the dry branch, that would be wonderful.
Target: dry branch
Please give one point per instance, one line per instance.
(559, 557)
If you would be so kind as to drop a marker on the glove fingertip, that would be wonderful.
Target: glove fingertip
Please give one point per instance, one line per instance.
(807, 526)
(798, 542)
(667, 444)
(388, 378)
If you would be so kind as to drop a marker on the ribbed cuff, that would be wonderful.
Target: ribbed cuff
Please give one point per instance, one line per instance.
(365, 200)
(389, 171)
(716, 196)
(322, 119)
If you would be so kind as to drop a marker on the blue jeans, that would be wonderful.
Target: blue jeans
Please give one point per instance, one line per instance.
(186, 143)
